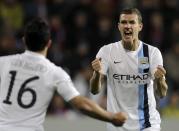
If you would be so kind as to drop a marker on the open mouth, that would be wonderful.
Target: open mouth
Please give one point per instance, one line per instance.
(128, 33)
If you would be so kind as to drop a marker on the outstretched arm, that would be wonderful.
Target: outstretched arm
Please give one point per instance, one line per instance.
(97, 78)
(93, 110)
(159, 82)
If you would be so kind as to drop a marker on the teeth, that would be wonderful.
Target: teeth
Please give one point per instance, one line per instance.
(127, 33)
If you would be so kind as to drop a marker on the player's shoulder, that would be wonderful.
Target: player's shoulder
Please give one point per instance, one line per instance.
(154, 51)
(8, 57)
(151, 47)
(54, 67)
(58, 71)
(109, 47)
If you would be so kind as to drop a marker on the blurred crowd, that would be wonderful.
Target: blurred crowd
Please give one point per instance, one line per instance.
(80, 27)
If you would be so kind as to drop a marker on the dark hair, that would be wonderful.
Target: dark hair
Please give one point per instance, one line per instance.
(37, 34)
(132, 11)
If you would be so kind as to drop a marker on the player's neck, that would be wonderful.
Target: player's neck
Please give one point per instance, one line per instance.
(43, 52)
(131, 46)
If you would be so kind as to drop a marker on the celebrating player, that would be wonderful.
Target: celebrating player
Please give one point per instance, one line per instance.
(132, 68)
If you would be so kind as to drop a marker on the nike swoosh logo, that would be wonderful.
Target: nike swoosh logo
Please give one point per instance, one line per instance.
(116, 62)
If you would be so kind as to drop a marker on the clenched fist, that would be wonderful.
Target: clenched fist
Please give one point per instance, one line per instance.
(119, 119)
(96, 65)
(160, 72)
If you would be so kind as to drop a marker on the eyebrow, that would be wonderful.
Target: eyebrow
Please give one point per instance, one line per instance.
(130, 21)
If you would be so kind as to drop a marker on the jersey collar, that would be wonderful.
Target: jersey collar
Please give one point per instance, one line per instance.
(31, 53)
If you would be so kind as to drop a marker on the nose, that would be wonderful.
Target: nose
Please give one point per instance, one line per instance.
(127, 25)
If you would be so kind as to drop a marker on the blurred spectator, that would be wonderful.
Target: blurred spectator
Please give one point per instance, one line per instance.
(7, 45)
(127, 3)
(175, 30)
(58, 7)
(156, 29)
(104, 33)
(74, 60)
(172, 64)
(105, 8)
(81, 79)
(170, 12)
(147, 7)
(41, 8)
(81, 6)
(58, 35)
(80, 31)
(57, 106)
(58, 32)
(12, 16)
(35, 8)
(172, 110)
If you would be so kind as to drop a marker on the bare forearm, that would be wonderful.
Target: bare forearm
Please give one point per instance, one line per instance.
(93, 110)
(95, 82)
(161, 87)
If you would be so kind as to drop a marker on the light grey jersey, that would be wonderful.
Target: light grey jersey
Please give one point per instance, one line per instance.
(130, 84)
(27, 84)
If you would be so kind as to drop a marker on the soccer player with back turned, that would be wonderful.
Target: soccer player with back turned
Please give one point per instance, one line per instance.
(29, 80)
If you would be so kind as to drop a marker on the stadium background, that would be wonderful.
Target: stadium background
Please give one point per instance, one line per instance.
(79, 28)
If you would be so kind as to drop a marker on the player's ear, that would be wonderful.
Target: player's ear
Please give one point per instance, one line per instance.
(118, 25)
(49, 43)
(140, 26)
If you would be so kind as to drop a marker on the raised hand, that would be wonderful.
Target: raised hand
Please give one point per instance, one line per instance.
(96, 65)
(160, 72)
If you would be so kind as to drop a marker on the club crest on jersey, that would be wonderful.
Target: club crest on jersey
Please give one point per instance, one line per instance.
(143, 62)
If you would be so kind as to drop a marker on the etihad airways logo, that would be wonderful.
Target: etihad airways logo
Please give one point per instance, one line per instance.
(132, 79)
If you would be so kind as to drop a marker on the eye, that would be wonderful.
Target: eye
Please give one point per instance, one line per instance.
(123, 22)
(132, 22)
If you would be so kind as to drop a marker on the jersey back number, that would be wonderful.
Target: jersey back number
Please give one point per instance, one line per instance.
(23, 89)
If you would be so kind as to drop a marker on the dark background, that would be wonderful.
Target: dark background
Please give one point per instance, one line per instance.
(80, 27)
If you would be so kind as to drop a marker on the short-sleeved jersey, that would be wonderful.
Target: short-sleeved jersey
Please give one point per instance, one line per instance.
(27, 84)
(130, 89)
